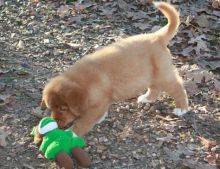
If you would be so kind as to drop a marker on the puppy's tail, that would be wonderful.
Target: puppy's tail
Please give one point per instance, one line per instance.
(167, 32)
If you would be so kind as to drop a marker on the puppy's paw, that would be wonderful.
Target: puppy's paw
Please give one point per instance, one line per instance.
(179, 112)
(143, 99)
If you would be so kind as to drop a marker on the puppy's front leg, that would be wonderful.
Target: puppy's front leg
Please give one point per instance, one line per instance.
(86, 122)
(150, 96)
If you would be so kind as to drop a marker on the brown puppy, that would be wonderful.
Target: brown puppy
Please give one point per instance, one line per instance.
(117, 72)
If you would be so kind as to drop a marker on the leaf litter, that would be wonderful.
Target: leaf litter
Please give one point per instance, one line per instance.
(43, 38)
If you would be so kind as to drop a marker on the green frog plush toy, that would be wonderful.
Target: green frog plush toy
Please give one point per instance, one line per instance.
(57, 144)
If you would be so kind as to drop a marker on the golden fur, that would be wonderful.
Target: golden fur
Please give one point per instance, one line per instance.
(117, 72)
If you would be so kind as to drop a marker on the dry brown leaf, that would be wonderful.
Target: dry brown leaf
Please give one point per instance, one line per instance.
(193, 75)
(208, 144)
(6, 99)
(3, 136)
(186, 51)
(141, 26)
(38, 112)
(123, 5)
(216, 4)
(168, 138)
(63, 10)
(201, 44)
(108, 12)
(202, 21)
(79, 7)
(217, 84)
(139, 15)
(212, 158)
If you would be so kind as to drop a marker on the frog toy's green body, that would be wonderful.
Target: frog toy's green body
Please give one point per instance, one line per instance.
(56, 140)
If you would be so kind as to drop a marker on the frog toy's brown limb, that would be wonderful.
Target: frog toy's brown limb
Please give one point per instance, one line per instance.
(63, 160)
(81, 157)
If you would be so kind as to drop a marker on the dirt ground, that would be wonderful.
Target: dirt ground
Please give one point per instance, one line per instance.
(39, 39)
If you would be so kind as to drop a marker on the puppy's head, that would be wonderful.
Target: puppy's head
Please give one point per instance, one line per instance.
(65, 99)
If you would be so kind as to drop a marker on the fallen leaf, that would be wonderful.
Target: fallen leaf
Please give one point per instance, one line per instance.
(6, 99)
(74, 45)
(123, 5)
(139, 15)
(187, 51)
(75, 19)
(211, 65)
(202, 21)
(201, 44)
(194, 75)
(217, 84)
(216, 4)
(168, 138)
(2, 86)
(194, 164)
(212, 158)
(142, 26)
(63, 10)
(38, 112)
(3, 136)
(208, 144)
(108, 12)
(79, 7)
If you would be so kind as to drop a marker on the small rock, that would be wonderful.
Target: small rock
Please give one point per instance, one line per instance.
(8, 158)
(118, 109)
(103, 139)
(13, 35)
(154, 154)
(158, 111)
(46, 41)
(40, 156)
(20, 44)
(127, 107)
(74, 45)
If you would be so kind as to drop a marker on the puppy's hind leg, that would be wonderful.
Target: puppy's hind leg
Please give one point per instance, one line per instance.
(176, 89)
(150, 96)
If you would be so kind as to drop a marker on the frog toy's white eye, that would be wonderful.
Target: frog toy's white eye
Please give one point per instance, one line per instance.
(47, 124)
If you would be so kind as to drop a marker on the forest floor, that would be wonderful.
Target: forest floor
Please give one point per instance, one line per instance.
(40, 39)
